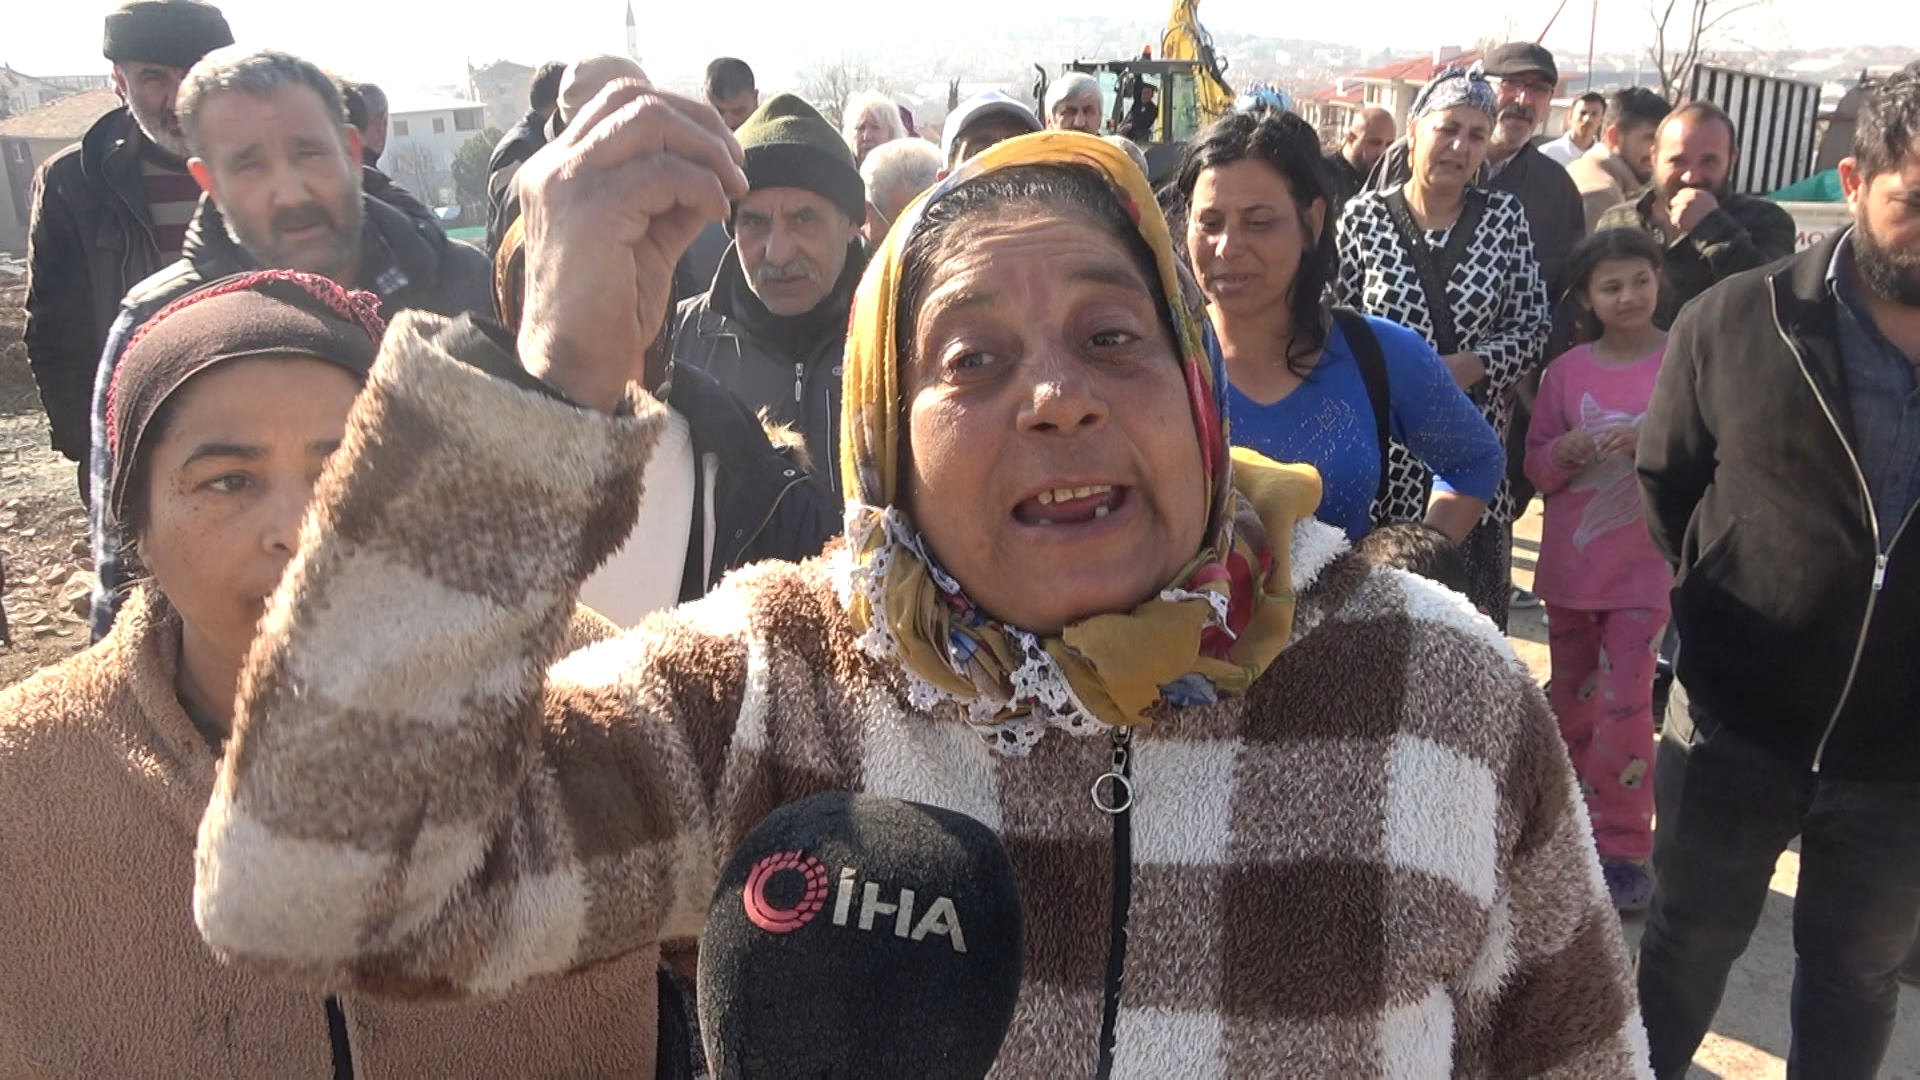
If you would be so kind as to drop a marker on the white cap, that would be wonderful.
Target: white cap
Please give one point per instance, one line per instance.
(991, 103)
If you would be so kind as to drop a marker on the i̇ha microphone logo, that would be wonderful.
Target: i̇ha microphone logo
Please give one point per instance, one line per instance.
(940, 918)
(813, 897)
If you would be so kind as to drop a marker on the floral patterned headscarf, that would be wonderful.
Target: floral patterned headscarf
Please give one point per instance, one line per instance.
(1453, 88)
(1211, 631)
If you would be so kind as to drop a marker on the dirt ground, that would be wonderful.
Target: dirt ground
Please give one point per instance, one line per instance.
(43, 530)
(43, 543)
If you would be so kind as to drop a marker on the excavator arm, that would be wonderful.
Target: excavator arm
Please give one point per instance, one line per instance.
(1185, 39)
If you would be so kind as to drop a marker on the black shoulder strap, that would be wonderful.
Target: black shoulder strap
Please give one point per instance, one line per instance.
(1373, 372)
(1434, 270)
(1463, 230)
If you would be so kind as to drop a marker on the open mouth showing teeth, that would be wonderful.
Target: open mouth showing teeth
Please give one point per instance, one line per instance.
(1070, 505)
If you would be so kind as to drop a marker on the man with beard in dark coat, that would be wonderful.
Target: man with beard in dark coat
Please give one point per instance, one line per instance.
(1364, 141)
(367, 112)
(281, 168)
(519, 144)
(1709, 233)
(1780, 466)
(113, 209)
(774, 324)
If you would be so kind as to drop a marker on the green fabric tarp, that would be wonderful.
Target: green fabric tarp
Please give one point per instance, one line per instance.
(1821, 187)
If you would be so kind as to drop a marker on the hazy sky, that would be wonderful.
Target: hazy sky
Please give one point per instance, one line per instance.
(404, 42)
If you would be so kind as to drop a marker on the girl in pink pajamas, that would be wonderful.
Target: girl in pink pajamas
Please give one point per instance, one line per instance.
(1604, 585)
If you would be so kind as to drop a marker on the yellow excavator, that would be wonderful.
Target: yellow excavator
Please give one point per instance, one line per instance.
(1159, 102)
(1185, 39)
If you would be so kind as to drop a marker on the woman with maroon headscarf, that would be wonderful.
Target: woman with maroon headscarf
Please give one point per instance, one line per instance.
(222, 416)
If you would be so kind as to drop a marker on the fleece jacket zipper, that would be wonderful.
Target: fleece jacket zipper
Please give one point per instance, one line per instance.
(1873, 528)
(1113, 795)
(337, 1037)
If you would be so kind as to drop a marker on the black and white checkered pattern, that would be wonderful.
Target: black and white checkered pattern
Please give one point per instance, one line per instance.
(1500, 311)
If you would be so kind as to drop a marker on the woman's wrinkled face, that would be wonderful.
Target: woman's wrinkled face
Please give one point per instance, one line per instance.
(228, 483)
(1245, 236)
(1056, 470)
(870, 132)
(1449, 146)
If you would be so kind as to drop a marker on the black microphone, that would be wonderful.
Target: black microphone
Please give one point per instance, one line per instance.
(856, 936)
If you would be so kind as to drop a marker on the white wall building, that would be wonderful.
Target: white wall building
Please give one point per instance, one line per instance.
(423, 135)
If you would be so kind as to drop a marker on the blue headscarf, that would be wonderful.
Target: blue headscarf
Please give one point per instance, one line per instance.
(1453, 88)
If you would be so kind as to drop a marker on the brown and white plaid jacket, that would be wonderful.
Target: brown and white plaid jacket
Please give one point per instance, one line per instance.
(1374, 864)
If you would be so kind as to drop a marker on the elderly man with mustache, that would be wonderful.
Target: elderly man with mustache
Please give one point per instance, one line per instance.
(773, 325)
(270, 145)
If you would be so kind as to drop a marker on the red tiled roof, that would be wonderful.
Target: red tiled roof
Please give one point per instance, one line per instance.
(66, 118)
(1419, 69)
(1332, 93)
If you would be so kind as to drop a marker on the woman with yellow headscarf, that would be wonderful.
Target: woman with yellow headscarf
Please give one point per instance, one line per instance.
(1273, 811)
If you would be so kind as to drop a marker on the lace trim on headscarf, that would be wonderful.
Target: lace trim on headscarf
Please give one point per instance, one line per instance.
(1042, 699)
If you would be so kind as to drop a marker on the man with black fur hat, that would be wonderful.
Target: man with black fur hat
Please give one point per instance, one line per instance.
(774, 323)
(112, 209)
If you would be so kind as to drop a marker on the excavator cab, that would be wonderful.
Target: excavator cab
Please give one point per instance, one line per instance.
(1123, 84)
(1189, 80)
(1175, 117)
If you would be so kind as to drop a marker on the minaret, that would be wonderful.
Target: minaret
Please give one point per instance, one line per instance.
(633, 35)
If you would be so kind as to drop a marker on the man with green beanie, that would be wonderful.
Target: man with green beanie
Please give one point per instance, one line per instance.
(113, 209)
(774, 323)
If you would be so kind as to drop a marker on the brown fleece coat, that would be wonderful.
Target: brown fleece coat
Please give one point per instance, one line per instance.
(1605, 182)
(1375, 863)
(103, 781)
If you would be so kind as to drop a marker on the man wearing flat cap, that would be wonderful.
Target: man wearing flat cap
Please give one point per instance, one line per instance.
(1524, 76)
(113, 209)
(774, 324)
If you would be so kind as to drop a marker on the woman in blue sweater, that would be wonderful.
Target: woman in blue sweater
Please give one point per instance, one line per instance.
(1260, 239)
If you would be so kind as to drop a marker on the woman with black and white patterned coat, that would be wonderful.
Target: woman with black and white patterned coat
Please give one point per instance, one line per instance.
(1496, 317)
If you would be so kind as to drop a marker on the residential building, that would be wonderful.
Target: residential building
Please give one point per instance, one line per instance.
(1393, 86)
(27, 141)
(1330, 109)
(502, 87)
(423, 135)
(22, 93)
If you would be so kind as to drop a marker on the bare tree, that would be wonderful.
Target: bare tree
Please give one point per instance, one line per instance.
(418, 169)
(831, 82)
(1507, 29)
(1686, 32)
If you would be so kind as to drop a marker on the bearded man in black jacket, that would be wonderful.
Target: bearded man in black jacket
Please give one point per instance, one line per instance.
(112, 209)
(1780, 465)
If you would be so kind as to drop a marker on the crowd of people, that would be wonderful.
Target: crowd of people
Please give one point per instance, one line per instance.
(461, 611)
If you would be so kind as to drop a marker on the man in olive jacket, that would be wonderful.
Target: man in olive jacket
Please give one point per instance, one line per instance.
(1709, 233)
(1780, 466)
